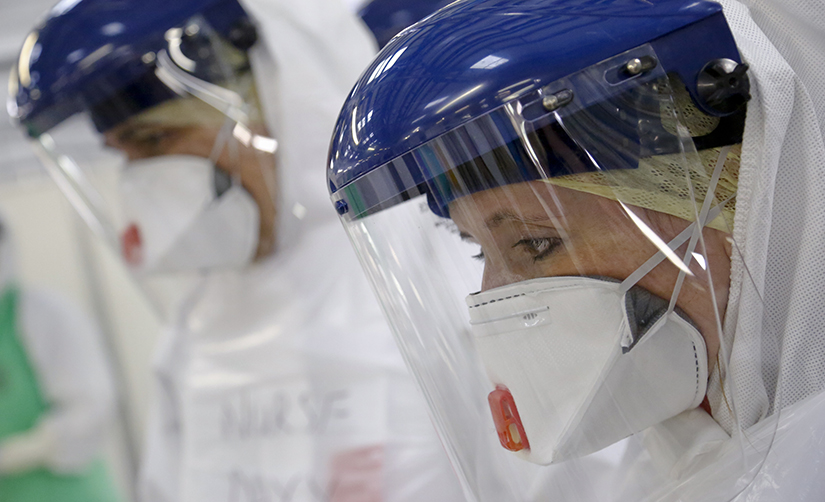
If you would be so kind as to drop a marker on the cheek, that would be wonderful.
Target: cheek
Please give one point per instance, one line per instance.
(190, 146)
(613, 252)
(496, 276)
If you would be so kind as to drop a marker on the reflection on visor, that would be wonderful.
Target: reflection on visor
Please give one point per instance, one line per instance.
(504, 147)
(555, 147)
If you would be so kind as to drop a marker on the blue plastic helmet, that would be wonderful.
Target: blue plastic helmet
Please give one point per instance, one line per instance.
(98, 55)
(473, 57)
(587, 148)
(386, 18)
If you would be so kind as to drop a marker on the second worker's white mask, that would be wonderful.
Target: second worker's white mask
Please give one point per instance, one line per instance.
(178, 221)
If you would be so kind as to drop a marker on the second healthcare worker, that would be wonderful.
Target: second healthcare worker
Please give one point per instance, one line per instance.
(600, 220)
(278, 380)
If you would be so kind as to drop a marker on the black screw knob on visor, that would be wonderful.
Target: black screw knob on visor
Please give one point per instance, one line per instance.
(724, 85)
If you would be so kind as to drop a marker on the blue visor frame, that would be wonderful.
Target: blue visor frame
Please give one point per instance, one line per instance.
(598, 119)
(98, 56)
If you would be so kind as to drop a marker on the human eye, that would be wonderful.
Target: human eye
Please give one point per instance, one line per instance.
(146, 142)
(471, 240)
(539, 247)
(152, 138)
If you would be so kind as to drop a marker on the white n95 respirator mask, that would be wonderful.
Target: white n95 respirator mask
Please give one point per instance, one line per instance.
(183, 214)
(580, 364)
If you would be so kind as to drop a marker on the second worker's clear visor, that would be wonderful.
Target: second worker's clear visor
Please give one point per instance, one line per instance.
(172, 166)
(557, 274)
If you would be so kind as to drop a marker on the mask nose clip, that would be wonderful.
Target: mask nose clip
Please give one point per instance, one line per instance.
(506, 418)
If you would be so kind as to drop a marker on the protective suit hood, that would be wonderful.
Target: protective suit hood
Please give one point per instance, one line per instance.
(306, 53)
(776, 310)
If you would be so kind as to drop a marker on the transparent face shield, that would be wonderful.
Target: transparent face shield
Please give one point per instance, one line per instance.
(557, 274)
(175, 171)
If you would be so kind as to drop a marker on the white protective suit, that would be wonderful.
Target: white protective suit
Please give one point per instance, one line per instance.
(281, 382)
(775, 317)
(64, 348)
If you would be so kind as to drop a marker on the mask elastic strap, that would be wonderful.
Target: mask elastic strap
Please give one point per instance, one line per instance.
(674, 244)
(690, 233)
(221, 141)
(702, 220)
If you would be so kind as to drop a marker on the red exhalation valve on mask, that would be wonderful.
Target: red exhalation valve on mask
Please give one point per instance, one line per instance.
(508, 423)
(131, 245)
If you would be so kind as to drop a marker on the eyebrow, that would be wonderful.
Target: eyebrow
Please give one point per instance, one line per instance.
(467, 237)
(505, 216)
(135, 130)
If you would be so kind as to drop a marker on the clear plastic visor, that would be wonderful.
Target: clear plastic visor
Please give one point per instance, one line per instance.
(562, 264)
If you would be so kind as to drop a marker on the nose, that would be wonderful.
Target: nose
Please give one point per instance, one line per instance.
(496, 276)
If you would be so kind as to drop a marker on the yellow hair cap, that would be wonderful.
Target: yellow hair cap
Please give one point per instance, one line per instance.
(659, 184)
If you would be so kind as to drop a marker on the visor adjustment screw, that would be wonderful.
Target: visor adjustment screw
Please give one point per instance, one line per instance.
(724, 86)
(342, 207)
(243, 34)
(553, 102)
(640, 65)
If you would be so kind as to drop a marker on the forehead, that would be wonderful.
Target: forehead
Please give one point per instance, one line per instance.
(526, 202)
(126, 130)
(146, 140)
(176, 113)
(138, 133)
(513, 196)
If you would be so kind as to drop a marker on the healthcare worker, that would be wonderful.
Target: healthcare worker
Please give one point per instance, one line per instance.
(56, 395)
(277, 377)
(598, 221)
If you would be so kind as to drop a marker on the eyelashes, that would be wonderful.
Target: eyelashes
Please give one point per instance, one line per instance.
(538, 248)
